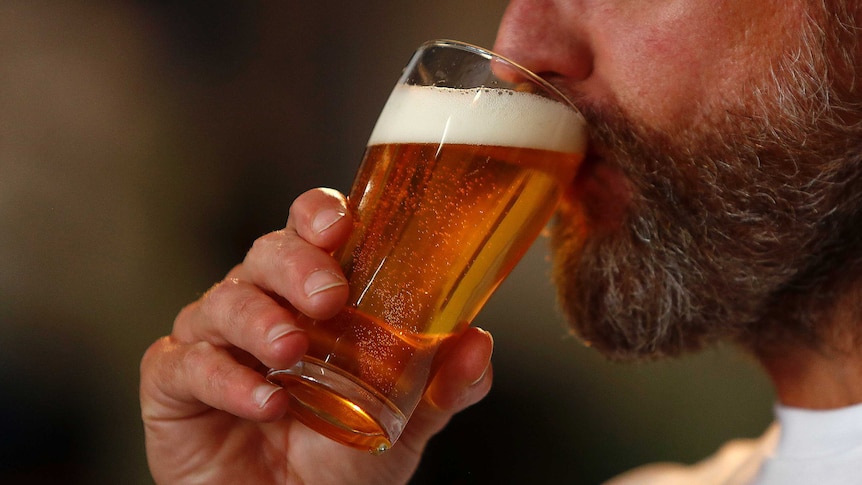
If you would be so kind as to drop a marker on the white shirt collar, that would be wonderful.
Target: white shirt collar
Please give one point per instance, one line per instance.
(807, 433)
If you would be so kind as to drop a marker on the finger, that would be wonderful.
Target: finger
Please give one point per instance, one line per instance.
(180, 380)
(305, 275)
(237, 313)
(296, 262)
(463, 379)
(320, 216)
(464, 376)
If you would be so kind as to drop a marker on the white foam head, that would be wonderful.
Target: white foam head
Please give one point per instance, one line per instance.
(427, 114)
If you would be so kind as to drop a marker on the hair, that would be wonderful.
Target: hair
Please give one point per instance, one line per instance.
(819, 86)
(747, 227)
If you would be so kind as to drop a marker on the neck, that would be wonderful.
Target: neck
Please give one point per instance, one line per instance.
(813, 379)
(828, 374)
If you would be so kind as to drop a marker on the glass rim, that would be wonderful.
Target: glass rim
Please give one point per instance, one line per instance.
(489, 54)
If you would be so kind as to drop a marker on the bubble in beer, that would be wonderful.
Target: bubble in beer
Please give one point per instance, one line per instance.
(448, 195)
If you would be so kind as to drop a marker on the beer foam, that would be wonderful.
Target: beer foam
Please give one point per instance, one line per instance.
(430, 114)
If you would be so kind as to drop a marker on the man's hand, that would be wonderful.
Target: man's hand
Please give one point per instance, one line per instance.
(209, 414)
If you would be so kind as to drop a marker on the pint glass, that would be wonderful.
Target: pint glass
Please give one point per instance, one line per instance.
(463, 169)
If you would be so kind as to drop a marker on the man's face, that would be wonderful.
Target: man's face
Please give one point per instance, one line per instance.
(714, 174)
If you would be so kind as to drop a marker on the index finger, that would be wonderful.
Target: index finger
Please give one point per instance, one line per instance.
(296, 263)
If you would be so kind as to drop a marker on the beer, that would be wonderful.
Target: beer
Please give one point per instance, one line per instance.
(438, 227)
(450, 219)
(454, 187)
(448, 226)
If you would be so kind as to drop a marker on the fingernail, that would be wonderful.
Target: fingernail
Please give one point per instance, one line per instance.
(326, 219)
(482, 376)
(263, 393)
(487, 365)
(322, 280)
(280, 330)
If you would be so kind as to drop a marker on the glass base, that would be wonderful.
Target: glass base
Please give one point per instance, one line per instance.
(339, 406)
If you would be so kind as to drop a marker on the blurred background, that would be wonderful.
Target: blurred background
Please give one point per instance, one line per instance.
(145, 144)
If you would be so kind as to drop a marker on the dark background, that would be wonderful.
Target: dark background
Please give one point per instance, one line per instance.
(145, 145)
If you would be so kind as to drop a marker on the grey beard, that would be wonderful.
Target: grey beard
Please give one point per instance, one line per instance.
(737, 230)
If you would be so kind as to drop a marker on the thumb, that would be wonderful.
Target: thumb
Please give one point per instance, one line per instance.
(462, 379)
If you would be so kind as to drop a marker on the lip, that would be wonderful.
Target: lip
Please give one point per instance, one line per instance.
(584, 180)
(602, 190)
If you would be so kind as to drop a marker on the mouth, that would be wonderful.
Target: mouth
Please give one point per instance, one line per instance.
(601, 189)
(588, 173)
(588, 164)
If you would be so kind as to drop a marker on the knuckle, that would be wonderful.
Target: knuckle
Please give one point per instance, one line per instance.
(151, 356)
(185, 314)
(199, 360)
(223, 299)
(214, 296)
(241, 310)
(161, 367)
(217, 374)
(279, 251)
(267, 240)
(249, 309)
(197, 355)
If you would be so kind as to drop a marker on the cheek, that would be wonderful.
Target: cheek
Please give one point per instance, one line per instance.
(659, 78)
(667, 66)
(659, 82)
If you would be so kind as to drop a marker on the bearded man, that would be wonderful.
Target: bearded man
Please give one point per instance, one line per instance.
(720, 201)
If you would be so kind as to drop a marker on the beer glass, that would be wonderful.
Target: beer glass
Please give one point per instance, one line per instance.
(462, 171)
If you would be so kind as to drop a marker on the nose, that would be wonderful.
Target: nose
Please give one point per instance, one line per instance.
(546, 37)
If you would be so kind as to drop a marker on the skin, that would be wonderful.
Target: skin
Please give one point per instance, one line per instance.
(629, 56)
(209, 414)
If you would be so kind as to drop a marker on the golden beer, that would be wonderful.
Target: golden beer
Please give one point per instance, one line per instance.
(454, 187)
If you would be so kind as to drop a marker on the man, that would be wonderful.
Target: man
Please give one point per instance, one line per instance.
(720, 201)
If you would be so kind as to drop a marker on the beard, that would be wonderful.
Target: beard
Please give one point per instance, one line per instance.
(745, 227)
